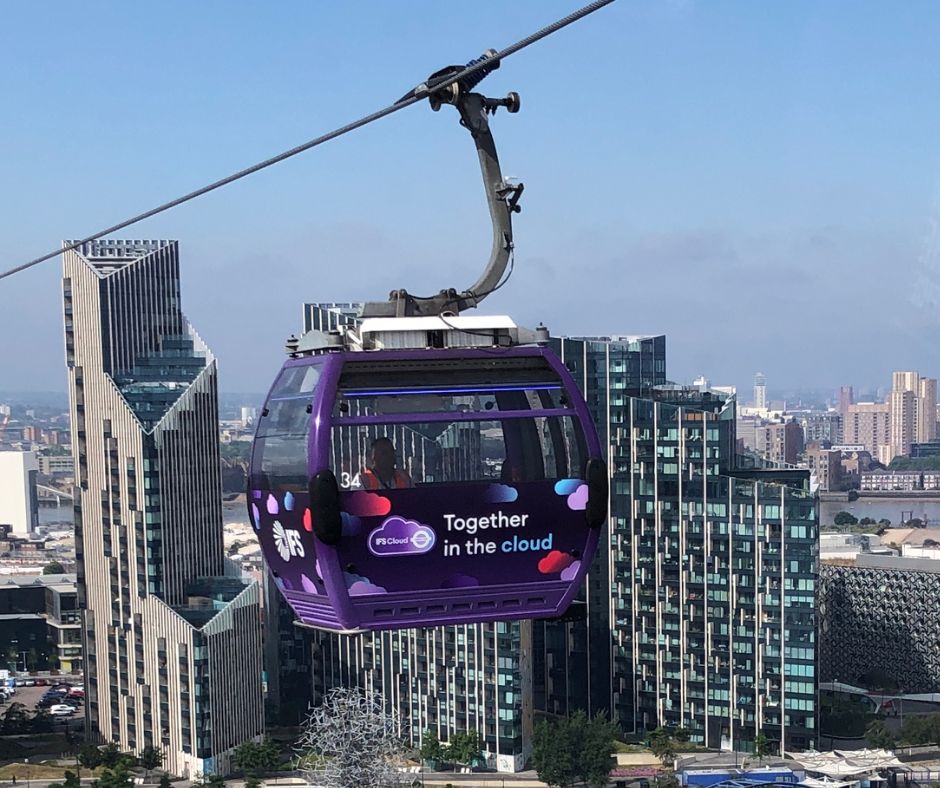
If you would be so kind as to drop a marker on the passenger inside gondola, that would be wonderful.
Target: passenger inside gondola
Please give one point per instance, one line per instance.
(383, 473)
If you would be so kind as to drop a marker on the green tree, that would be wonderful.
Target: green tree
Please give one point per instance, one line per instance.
(431, 749)
(761, 747)
(40, 722)
(209, 781)
(89, 756)
(53, 568)
(118, 777)
(465, 747)
(878, 735)
(252, 782)
(165, 781)
(252, 757)
(553, 753)
(661, 744)
(72, 780)
(845, 518)
(885, 522)
(681, 734)
(15, 720)
(110, 755)
(150, 758)
(574, 749)
(667, 781)
(921, 729)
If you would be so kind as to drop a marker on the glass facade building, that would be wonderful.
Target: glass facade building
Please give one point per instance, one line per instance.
(700, 609)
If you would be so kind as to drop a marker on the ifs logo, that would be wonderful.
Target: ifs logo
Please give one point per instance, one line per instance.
(397, 536)
(287, 542)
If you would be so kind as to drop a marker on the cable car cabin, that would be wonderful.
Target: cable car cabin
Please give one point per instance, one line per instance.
(413, 488)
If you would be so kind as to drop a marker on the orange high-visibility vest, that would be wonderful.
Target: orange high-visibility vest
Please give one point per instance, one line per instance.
(371, 481)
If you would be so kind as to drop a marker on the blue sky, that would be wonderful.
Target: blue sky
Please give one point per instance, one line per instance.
(760, 182)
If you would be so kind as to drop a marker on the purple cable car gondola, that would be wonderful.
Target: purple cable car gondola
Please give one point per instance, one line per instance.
(492, 511)
(426, 468)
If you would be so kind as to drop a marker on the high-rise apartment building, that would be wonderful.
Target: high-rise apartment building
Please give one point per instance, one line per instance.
(760, 391)
(172, 633)
(913, 407)
(19, 506)
(821, 427)
(867, 424)
(700, 607)
(846, 398)
(780, 443)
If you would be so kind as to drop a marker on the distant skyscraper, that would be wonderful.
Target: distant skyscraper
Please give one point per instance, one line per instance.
(19, 507)
(172, 640)
(760, 391)
(913, 406)
(846, 398)
(867, 424)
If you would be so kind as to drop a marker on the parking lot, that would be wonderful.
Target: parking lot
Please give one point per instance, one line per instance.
(30, 697)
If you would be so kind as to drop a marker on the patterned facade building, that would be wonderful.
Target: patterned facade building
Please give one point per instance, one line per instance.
(700, 610)
(172, 634)
(880, 618)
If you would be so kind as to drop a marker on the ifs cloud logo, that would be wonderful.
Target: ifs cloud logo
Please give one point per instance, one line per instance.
(398, 536)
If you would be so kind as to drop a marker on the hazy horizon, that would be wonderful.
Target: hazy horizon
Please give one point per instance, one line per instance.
(761, 184)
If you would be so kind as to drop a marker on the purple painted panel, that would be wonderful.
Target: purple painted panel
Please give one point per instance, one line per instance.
(463, 536)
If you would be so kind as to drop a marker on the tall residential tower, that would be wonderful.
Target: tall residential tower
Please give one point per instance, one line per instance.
(172, 633)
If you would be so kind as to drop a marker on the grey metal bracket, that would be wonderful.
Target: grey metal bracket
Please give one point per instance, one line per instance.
(502, 197)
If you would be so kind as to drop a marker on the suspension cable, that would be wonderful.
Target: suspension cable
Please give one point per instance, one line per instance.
(419, 93)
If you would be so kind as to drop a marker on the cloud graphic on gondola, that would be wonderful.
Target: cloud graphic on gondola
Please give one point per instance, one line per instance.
(256, 517)
(307, 520)
(351, 524)
(357, 585)
(367, 504)
(273, 508)
(289, 501)
(578, 499)
(555, 561)
(398, 536)
(256, 494)
(567, 486)
(308, 585)
(571, 572)
(500, 493)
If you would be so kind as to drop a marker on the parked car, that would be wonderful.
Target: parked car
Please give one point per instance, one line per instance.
(61, 709)
(19, 682)
(76, 692)
(29, 682)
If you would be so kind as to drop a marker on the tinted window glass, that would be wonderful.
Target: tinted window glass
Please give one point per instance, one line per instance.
(508, 450)
(279, 461)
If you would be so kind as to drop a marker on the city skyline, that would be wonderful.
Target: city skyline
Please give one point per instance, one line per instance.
(736, 161)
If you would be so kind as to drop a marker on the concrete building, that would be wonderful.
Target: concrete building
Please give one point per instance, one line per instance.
(19, 507)
(56, 464)
(868, 424)
(819, 427)
(40, 623)
(846, 398)
(826, 465)
(909, 481)
(913, 404)
(172, 634)
(780, 443)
